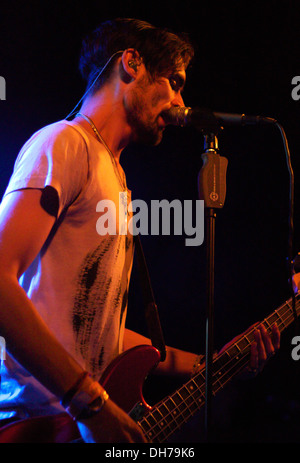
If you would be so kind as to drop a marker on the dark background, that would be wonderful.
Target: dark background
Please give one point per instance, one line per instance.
(246, 56)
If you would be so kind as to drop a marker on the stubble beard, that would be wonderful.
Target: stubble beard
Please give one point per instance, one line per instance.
(145, 128)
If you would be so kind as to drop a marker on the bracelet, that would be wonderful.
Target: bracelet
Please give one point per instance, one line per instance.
(92, 408)
(87, 401)
(72, 391)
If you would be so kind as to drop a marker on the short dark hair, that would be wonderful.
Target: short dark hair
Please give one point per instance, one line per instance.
(162, 50)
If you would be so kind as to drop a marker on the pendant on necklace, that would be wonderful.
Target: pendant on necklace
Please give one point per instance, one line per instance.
(123, 212)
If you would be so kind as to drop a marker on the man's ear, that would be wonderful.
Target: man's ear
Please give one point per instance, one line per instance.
(131, 62)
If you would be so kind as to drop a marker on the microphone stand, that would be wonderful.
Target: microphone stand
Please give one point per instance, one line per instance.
(212, 189)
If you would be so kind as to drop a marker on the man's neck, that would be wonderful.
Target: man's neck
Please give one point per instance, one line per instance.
(108, 115)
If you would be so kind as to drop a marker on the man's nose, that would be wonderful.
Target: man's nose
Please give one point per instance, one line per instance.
(178, 100)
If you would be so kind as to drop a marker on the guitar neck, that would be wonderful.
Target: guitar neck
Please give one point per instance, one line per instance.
(175, 410)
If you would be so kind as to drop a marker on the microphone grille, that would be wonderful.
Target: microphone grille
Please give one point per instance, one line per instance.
(177, 115)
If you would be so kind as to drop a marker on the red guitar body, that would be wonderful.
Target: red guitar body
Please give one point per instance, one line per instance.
(123, 379)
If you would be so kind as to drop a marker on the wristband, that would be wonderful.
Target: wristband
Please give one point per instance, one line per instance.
(92, 408)
(88, 400)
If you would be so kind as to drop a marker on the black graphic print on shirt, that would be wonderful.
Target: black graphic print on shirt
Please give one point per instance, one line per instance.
(100, 301)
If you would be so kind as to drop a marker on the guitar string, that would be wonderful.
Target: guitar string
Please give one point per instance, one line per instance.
(288, 318)
(193, 407)
(198, 391)
(197, 408)
(238, 366)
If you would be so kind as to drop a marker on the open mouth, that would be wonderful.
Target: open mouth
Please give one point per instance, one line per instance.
(161, 121)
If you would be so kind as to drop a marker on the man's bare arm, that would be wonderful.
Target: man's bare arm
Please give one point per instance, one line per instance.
(24, 228)
(177, 363)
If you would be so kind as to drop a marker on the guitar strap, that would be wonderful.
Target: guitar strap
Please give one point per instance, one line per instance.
(151, 312)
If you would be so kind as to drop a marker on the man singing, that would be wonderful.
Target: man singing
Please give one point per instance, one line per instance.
(63, 286)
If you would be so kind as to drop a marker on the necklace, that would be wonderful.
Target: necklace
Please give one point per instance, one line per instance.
(116, 169)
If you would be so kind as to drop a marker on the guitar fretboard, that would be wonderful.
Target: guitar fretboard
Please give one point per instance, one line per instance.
(175, 410)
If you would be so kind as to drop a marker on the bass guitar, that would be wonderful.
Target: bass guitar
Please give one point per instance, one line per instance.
(124, 379)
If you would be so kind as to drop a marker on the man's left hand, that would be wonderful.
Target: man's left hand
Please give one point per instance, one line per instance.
(263, 348)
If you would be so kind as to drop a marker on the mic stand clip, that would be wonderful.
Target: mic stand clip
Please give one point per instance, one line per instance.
(212, 189)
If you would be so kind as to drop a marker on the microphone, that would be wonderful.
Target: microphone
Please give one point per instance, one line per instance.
(205, 119)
